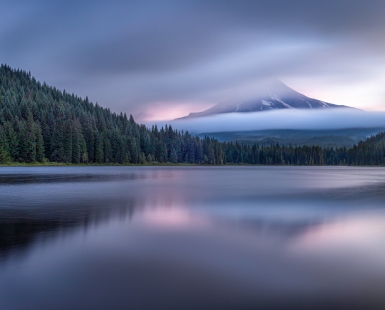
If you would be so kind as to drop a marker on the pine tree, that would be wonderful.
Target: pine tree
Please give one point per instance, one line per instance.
(173, 156)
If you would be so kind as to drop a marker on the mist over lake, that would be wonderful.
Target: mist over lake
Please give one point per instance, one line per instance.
(192, 237)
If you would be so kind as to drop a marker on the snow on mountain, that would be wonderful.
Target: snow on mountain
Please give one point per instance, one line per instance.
(275, 96)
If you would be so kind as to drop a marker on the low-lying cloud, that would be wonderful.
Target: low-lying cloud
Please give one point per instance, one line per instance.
(282, 119)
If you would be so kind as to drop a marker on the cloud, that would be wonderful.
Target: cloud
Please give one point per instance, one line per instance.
(128, 55)
(282, 119)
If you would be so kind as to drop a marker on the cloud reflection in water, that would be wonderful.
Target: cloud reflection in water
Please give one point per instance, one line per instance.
(171, 238)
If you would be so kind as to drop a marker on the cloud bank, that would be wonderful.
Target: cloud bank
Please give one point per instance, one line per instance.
(282, 119)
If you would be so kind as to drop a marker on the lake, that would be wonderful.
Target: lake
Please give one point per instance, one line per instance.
(239, 237)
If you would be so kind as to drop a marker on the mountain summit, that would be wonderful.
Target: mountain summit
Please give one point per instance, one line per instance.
(273, 96)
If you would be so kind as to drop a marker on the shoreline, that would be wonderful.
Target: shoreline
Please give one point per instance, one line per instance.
(54, 164)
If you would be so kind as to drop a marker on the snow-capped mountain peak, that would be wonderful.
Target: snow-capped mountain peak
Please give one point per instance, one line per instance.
(274, 96)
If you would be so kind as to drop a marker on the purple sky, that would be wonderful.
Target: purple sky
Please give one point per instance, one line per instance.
(163, 59)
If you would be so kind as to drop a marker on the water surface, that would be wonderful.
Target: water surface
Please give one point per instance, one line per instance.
(192, 238)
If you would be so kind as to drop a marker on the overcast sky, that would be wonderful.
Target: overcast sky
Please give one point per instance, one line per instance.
(163, 59)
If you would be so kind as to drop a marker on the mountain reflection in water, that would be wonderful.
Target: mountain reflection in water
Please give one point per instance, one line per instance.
(192, 238)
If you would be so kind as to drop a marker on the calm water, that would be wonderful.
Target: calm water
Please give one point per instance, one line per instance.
(192, 238)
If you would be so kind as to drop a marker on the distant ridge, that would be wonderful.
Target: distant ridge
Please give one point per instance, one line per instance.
(274, 96)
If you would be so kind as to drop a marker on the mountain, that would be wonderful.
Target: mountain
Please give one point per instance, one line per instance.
(273, 96)
(40, 123)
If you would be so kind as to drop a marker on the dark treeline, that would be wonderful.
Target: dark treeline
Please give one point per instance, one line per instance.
(41, 123)
(368, 152)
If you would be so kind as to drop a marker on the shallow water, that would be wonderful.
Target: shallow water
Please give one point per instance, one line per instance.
(192, 238)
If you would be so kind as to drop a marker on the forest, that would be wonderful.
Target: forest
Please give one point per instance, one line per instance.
(39, 123)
